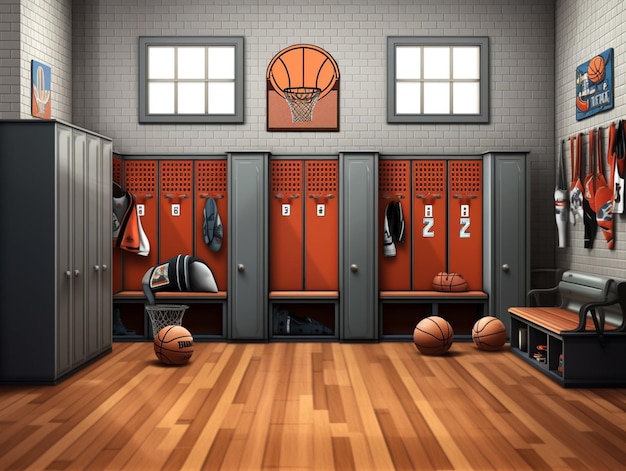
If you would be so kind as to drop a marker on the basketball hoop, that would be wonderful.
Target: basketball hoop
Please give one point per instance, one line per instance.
(162, 315)
(301, 101)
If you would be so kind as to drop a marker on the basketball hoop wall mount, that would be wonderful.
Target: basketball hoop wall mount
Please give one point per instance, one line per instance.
(302, 90)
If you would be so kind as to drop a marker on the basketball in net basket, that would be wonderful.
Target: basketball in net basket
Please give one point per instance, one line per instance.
(301, 102)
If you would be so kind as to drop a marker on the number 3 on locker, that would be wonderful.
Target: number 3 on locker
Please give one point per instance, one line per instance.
(429, 221)
(465, 222)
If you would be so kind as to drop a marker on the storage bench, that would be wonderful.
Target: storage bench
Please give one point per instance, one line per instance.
(205, 318)
(400, 311)
(582, 341)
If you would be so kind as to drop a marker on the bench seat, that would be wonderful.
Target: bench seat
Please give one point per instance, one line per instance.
(179, 295)
(432, 294)
(554, 319)
(304, 294)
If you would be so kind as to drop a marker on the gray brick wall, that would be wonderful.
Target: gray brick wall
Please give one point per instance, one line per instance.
(355, 32)
(39, 30)
(583, 29)
(10, 59)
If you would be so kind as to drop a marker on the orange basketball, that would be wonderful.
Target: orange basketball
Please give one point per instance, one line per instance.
(489, 333)
(449, 282)
(303, 65)
(596, 69)
(433, 336)
(173, 345)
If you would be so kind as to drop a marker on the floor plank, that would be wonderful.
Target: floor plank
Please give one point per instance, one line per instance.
(311, 406)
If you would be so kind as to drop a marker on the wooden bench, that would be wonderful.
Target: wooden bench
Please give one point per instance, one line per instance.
(206, 315)
(578, 342)
(400, 310)
(320, 305)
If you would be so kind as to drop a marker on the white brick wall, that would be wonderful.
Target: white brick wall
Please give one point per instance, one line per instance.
(585, 28)
(35, 30)
(355, 32)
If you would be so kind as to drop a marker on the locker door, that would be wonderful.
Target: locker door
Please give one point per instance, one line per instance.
(286, 235)
(79, 242)
(140, 178)
(358, 298)
(465, 221)
(394, 186)
(175, 208)
(247, 296)
(210, 182)
(430, 216)
(321, 226)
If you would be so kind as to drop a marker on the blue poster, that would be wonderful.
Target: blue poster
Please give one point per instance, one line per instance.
(594, 85)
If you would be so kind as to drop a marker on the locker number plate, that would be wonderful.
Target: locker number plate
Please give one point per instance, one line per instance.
(176, 210)
(286, 211)
(141, 209)
(321, 210)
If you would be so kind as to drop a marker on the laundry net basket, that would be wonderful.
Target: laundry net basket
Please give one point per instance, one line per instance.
(162, 315)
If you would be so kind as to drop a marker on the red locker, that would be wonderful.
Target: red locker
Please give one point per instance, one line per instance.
(210, 182)
(118, 183)
(140, 178)
(394, 183)
(286, 220)
(430, 216)
(175, 208)
(465, 221)
(321, 258)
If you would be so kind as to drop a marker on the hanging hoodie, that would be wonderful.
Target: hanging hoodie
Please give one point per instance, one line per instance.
(128, 233)
(393, 228)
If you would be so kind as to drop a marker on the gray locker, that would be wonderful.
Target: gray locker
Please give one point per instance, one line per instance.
(507, 236)
(55, 315)
(247, 213)
(358, 239)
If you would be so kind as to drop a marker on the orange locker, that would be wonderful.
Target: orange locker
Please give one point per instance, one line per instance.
(140, 179)
(210, 182)
(175, 208)
(465, 221)
(430, 216)
(394, 183)
(321, 258)
(286, 221)
(117, 253)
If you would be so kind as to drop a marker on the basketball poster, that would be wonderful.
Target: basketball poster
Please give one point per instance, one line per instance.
(41, 105)
(594, 85)
(302, 90)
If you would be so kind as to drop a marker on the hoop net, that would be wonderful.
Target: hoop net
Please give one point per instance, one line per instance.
(162, 315)
(301, 102)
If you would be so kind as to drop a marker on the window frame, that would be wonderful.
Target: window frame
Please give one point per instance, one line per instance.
(237, 42)
(426, 41)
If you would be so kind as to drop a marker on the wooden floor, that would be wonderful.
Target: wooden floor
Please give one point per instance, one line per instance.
(299, 406)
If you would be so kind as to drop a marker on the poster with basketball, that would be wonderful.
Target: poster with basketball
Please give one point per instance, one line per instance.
(302, 90)
(594, 85)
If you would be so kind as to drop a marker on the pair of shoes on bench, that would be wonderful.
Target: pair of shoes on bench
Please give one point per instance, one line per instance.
(285, 323)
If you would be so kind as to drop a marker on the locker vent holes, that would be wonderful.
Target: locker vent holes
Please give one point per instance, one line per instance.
(140, 176)
(286, 177)
(392, 177)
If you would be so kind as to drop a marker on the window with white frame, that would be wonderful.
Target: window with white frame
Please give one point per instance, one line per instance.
(191, 80)
(438, 79)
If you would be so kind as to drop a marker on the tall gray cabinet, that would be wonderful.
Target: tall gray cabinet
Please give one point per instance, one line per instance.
(55, 247)
(358, 236)
(248, 215)
(507, 231)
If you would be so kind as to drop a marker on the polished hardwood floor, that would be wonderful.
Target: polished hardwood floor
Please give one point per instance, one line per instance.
(317, 406)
